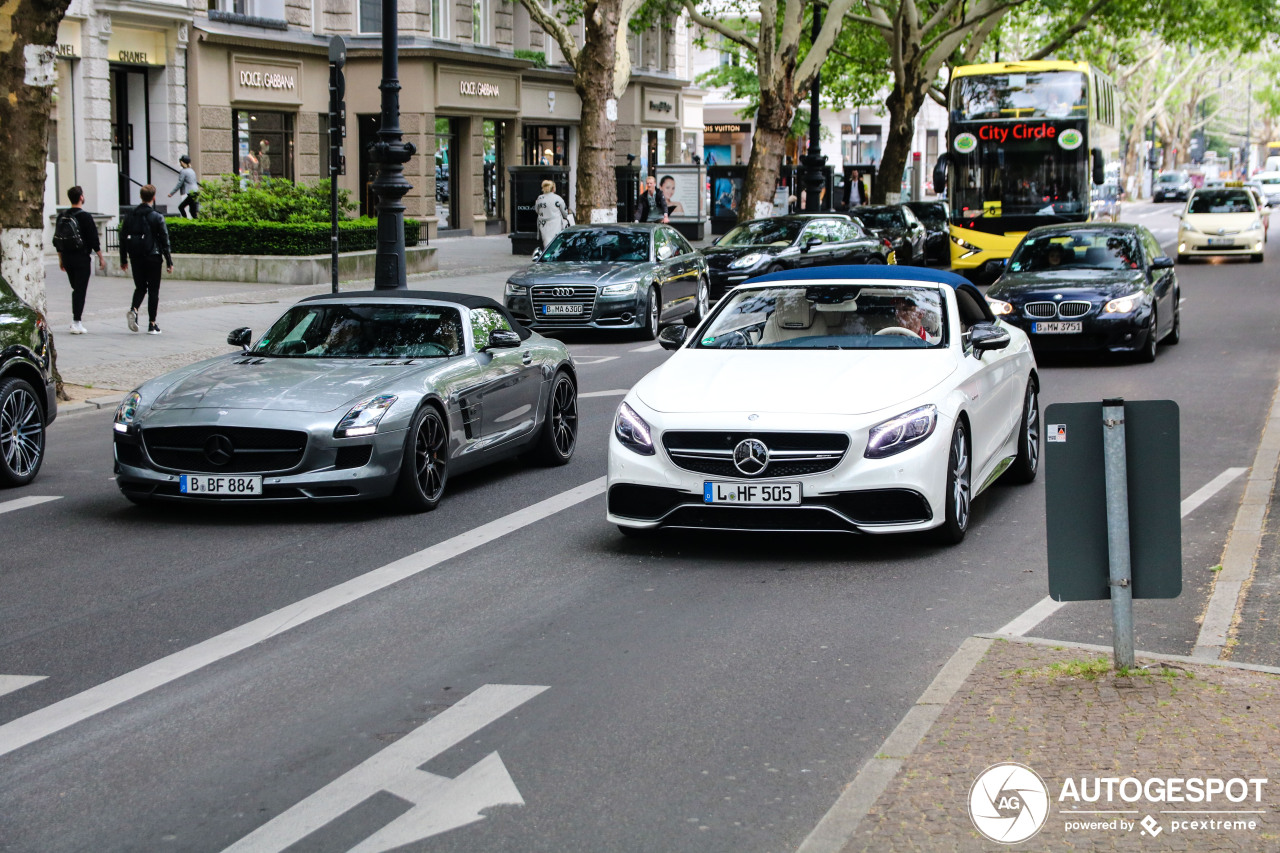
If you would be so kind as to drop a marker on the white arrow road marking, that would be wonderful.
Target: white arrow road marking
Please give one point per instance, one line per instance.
(10, 683)
(648, 348)
(23, 503)
(439, 803)
(584, 360)
(613, 392)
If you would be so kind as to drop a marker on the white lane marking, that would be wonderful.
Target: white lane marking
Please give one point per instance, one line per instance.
(439, 803)
(23, 503)
(1046, 607)
(74, 709)
(647, 348)
(10, 683)
(585, 360)
(614, 392)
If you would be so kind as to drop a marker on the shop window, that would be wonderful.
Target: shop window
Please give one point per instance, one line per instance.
(446, 173)
(264, 145)
(493, 170)
(370, 16)
(546, 145)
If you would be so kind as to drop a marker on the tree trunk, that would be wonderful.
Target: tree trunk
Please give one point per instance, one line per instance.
(596, 84)
(768, 144)
(904, 102)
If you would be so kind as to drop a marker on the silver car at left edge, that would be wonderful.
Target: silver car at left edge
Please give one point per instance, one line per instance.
(378, 394)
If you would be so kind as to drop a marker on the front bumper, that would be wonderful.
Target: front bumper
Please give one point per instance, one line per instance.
(329, 469)
(901, 493)
(1243, 243)
(1099, 332)
(722, 281)
(604, 312)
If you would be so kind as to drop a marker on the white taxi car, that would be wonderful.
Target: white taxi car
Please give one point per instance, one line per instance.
(1222, 221)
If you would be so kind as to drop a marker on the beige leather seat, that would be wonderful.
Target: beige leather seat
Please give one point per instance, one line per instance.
(792, 318)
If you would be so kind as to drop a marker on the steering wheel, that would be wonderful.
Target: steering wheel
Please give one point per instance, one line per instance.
(441, 349)
(898, 330)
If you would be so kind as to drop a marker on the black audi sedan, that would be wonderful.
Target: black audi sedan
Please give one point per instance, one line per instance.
(1094, 286)
(639, 277)
(787, 243)
(28, 402)
(897, 224)
(933, 216)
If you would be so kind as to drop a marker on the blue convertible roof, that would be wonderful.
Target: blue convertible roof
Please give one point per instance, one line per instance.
(867, 271)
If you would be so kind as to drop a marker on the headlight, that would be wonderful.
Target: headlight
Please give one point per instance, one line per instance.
(514, 289)
(968, 247)
(632, 431)
(999, 307)
(363, 417)
(1187, 226)
(897, 434)
(1255, 225)
(749, 260)
(1123, 305)
(126, 411)
(618, 289)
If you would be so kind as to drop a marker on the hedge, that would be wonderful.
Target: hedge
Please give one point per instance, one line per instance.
(200, 237)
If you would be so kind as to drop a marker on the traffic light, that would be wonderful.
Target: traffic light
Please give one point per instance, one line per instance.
(337, 107)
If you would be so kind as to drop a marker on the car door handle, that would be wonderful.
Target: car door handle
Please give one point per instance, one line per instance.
(527, 357)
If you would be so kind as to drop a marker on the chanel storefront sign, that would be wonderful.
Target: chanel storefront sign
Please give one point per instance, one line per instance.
(262, 80)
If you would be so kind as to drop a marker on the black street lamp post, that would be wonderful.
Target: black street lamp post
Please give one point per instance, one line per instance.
(389, 153)
(814, 160)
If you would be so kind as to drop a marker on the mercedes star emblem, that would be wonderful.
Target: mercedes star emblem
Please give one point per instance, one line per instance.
(751, 456)
(219, 449)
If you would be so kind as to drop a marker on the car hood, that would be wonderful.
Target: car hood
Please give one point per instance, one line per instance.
(739, 251)
(556, 272)
(1072, 284)
(1209, 223)
(282, 384)
(802, 382)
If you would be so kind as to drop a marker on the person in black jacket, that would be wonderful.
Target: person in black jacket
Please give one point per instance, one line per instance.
(653, 204)
(144, 241)
(78, 264)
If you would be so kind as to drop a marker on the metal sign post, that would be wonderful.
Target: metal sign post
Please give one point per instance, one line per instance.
(1117, 479)
(337, 130)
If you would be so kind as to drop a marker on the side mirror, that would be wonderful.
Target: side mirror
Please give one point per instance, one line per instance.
(940, 173)
(673, 337)
(987, 336)
(1099, 167)
(996, 266)
(1162, 262)
(503, 339)
(537, 253)
(810, 243)
(241, 337)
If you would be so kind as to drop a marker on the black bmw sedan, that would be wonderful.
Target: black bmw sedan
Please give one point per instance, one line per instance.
(897, 224)
(787, 243)
(1095, 286)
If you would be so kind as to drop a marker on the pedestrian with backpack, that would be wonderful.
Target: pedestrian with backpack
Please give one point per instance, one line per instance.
(144, 242)
(75, 237)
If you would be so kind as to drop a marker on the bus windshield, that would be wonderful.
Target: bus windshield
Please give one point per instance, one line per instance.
(1025, 178)
(1042, 94)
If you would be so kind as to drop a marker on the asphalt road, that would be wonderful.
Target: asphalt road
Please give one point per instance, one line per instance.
(702, 693)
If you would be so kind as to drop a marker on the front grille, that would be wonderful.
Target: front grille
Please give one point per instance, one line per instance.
(791, 454)
(224, 450)
(1070, 310)
(800, 518)
(1040, 309)
(547, 294)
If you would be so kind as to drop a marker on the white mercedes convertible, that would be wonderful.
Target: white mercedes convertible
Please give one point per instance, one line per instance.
(861, 399)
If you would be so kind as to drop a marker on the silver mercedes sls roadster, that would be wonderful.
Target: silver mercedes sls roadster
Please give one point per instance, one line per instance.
(380, 394)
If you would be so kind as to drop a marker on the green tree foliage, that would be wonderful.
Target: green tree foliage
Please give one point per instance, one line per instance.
(229, 198)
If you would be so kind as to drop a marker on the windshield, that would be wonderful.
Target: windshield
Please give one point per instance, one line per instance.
(883, 218)
(1221, 201)
(932, 215)
(324, 330)
(764, 232)
(828, 316)
(1043, 94)
(1026, 177)
(599, 246)
(1091, 249)
(1172, 178)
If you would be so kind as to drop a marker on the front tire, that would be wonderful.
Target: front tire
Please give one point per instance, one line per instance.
(424, 469)
(22, 429)
(1147, 354)
(959, 488)
(649, 331)
(702, 304)
(559, 435)
(1027, 463)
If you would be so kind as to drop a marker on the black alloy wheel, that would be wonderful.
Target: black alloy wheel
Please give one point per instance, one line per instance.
(959, 488)
(560, 429)
(424, 470)
(1027, 462)
(21, 432)
(702, 304)
(1147, 354)
(1175, 333)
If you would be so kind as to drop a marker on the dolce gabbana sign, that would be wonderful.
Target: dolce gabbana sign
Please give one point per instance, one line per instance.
(472, 90)
(270, 81)
(478, 89)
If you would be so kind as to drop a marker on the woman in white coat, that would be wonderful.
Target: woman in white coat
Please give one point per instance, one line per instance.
(553, 213)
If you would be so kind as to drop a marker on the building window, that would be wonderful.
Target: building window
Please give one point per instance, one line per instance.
(546, 145)
(440, 19)
(234, 7)
(479, 22)
(370, 16)
(264, 145)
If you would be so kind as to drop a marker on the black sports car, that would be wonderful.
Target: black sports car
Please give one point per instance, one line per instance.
(787, 243)
(1095, 286)
(28, 400)
(897, 224)
(933, 216)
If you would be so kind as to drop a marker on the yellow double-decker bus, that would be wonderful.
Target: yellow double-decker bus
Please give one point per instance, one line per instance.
(1026, 141)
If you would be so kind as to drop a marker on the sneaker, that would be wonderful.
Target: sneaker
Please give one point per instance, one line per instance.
(76, 328)
(80, 329)
(131, 317)
(153, 329)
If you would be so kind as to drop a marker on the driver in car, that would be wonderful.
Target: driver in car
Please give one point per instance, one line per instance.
(909, 315)
(344, 337)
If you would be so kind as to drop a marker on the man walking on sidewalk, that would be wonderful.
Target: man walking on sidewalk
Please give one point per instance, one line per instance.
(144, 242)
(76, 240)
